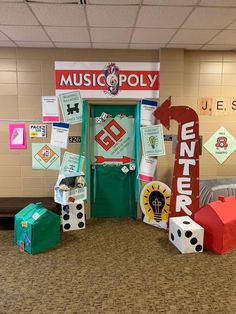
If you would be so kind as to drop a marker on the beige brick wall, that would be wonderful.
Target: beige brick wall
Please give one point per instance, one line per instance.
(26, 74)
(187, 76)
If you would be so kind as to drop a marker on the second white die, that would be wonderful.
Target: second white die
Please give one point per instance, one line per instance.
(186, 234)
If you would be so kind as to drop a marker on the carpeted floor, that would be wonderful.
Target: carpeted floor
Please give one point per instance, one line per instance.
(115, 266)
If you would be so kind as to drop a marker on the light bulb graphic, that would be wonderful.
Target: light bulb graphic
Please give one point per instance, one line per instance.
(152, 141)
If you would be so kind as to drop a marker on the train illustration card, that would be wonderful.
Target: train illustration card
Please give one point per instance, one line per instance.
(71, 106)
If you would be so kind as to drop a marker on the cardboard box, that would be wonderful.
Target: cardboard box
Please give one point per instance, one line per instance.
(75, 192)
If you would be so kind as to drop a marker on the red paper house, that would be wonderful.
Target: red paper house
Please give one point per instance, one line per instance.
(219, 222)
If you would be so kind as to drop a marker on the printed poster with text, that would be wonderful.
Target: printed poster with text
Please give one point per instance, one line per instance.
(114, 141)
(152, 140)
(45, 156)
(50, 109)
(70, 164)
(71, 107)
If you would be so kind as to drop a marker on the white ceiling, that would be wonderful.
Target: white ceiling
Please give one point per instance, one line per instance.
(133, 24)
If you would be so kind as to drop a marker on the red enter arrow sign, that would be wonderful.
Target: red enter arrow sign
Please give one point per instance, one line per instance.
(101, 159)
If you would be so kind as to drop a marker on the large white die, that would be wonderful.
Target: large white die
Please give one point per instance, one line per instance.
(186, 234)
(73, 216)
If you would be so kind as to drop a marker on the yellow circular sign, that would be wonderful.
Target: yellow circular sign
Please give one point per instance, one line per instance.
(155, 203)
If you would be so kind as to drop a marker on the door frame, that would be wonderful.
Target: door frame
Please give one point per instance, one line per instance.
(111, 102)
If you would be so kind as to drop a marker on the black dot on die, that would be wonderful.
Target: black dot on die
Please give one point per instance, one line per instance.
(188, 234)
(80, 224)
(186, 222)
(79, 215)
(79, 206)
(193, 241)
(179, 233)
(67, 226)
(66, 217)
(198, 248)
(66, 207)
(172, 236)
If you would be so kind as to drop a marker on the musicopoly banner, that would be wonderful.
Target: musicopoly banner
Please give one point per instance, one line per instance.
(105, 80)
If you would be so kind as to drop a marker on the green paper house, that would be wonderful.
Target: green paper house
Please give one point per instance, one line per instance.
(36, 229)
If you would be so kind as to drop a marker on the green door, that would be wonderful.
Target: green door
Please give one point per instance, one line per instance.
(114, 161)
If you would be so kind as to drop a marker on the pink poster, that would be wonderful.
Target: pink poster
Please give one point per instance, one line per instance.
(17, 136)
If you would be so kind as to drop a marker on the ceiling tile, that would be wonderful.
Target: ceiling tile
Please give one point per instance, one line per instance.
(170, 2)
(114, 2)
(59, 14)
(147, 46)
(193, 36)
(110, 46)
(35, 44)
(219, 47)
(167, 17)
(226, 37)
(184, 46)
(16, 14)
(72, 45)
(25, 33)
(112, 35)
(111, 16)
(218, 3)
(68, 34)
(7, 43)
(151, 35)
(210, 18)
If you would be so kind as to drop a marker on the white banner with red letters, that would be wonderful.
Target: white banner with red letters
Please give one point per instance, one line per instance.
(108, 80)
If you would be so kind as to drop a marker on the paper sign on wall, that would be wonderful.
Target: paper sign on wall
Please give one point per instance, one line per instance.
(17, 136)
(71, 107)
(71, 163)
(37, 130)
(50, 109)
(147, 168)
(221, 145)
(147, 109)
(152, 140)
(59, 135)
(44, 156)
